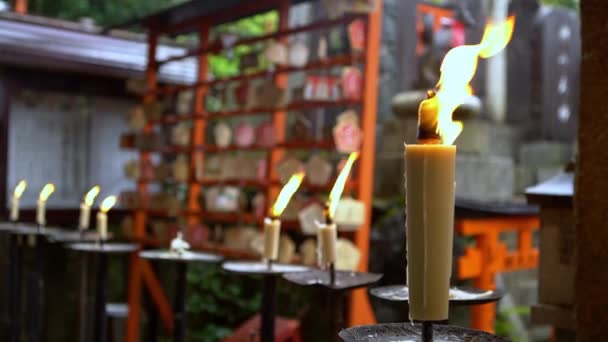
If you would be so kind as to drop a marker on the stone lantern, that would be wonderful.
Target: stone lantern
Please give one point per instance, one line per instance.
(557, 255)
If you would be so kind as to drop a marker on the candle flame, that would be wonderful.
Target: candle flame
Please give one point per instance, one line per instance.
(336, 191)
(457, 71)
(46, 192)
(286, 193)
(20, 189)
(107, 203)
(89, 198)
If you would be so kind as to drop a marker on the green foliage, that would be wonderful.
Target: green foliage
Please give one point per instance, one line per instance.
(217, 302)
(503, 326)
(105, 12)
(573, 4)
(227, 63)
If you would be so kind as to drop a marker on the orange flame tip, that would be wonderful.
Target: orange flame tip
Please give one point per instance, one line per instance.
(457, 70)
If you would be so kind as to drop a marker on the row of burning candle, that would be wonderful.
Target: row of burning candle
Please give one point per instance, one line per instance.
(85, 207)
(327, 231)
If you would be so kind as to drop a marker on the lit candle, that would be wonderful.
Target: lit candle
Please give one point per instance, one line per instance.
(17, 193)
(327, 233)
(45, 193)
(85, 208)
(272, 224)
(102, 217)
(430, 178)
(327, 236)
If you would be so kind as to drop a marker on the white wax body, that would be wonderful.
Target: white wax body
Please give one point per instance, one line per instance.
(430, 186)
(327, 236)
(102, 225)
(272, 231)
(41, 212)
(14, 209)
(85, 216)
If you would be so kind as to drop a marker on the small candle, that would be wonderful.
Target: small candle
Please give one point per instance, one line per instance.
(327, 237)
(41, 212)
(102, 217)
(14, 209)
(45, 193)
(102, 225)
(327, 233)
(272, 224)
(17, 193)
(272, 231)
(85, 208)
(85, 216)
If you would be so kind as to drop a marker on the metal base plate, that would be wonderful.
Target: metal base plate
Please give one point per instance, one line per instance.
(186, 256)
(458, 296)
(412, 332)
(106, 247)
(345, 280)
(261, 268)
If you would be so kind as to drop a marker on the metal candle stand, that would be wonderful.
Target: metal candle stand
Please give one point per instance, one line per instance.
(336, 284)
(270, 272)
(102, 250)
(400, 293)
(15, 262)
(73, 236)
(181, 261)
(19, 237)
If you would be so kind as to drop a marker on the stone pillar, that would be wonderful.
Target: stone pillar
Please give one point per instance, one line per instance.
(591, 195)
(497, 70)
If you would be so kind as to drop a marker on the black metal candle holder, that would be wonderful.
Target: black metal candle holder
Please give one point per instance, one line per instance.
(181, 261)
(336, 284)
(66, 236)
(102, 251)
(13, 286)
(413, 332)
(23, 237)
(465, 296)
(269, 272)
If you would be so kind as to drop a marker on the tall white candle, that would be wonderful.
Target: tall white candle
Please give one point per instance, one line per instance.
(327, 236)
(430, 190)
(430, 176)
(102, 225)
(272, 231)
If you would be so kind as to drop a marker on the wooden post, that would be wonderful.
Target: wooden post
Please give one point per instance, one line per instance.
(21, 6)
(360, 308)
(199, 125)
(140, 273)
(278, 118)
(591, 184)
